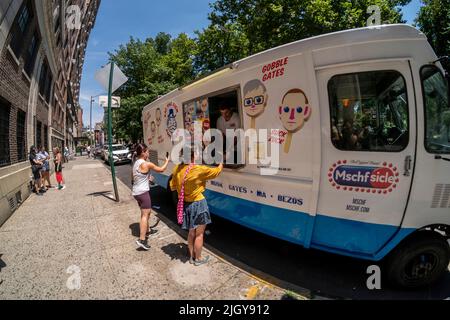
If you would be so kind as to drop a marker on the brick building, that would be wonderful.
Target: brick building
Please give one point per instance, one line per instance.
(42, 48)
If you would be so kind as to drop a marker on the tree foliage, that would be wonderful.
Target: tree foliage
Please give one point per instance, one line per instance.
(154, 67)
(434, 21)
(242, 27)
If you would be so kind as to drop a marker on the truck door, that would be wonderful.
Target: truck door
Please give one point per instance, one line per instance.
(368, 144)
(430, 195)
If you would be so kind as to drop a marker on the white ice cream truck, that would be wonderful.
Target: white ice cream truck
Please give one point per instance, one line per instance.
(362, 119)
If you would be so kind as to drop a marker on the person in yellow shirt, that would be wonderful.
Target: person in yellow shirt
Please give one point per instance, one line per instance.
(189, 180)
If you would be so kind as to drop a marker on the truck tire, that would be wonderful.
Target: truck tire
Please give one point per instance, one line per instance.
(419, 262)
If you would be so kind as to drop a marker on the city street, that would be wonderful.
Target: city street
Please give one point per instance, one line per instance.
(308, 272)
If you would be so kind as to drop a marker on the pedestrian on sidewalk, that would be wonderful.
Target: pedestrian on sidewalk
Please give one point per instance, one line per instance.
(88, 149)
(36, 167)
(44, 157)
(141, 189)
(189, 180)
(66, 154)
(58, 168)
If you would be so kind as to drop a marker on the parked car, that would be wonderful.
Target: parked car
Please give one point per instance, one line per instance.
(121, 154)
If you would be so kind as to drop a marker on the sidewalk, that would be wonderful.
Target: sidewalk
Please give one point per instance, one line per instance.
(79, 244)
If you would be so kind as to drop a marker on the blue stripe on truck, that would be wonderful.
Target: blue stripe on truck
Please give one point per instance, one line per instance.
(341, 236)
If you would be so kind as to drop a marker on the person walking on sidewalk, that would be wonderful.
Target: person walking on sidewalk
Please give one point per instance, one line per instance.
(189, 180)
(66, 154)
(141, 189)
(36, 167)
(58, 168)
(43, 154)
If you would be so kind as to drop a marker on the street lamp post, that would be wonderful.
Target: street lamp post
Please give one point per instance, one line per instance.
(90, 122)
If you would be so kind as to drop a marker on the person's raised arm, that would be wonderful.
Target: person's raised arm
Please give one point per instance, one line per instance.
(211, 173)
(154, 167)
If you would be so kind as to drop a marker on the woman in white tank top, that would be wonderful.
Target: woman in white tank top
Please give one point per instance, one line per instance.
(141, 189)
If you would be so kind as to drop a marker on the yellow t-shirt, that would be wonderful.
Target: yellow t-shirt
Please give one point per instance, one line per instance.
(195, 183)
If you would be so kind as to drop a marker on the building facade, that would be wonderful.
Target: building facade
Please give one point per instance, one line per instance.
(42, 48)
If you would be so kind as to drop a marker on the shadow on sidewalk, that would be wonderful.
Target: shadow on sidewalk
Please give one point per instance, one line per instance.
(107, 194)
(2, 263)
(177, 251)
(135, 230)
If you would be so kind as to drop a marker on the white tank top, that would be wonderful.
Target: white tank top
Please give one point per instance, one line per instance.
(140, 180)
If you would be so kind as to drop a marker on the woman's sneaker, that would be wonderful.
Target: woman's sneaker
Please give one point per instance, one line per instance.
(143, 244)
(201, 262)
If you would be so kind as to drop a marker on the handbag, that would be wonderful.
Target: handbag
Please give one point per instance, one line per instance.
(180, 207)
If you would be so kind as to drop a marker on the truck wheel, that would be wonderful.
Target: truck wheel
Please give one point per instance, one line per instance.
(419, 262)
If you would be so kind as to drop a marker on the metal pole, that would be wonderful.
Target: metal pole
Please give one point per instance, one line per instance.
(90, 124)
(111, 160)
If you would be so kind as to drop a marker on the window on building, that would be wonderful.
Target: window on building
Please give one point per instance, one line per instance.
(48, 87)
(38, 134)
(32, 53)
(20, 27)
(21, 135)
(45, 82)
(46, 137)
(369, 111)
(42, 77)
(5, 109)
(437, 110)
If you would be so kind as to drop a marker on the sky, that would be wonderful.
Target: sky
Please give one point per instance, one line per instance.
(117, 20)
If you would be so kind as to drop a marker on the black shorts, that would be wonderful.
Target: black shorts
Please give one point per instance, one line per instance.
(36, 174)
(144, 201)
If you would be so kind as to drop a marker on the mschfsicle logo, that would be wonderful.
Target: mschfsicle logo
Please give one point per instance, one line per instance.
(369, 179)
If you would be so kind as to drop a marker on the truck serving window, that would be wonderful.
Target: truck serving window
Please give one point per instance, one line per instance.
(437, 110)
(218, 110)
(369, 111)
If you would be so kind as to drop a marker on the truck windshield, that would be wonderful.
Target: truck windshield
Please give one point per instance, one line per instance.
(437, 110)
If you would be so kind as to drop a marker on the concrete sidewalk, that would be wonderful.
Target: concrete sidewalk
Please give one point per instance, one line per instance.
(79, 244)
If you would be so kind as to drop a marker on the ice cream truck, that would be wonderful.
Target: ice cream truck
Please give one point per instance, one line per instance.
(362, 120)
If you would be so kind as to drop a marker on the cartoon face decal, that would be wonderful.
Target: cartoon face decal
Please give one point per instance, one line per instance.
(170, 113)
(294, 110)
(255, 98)
(158, 117)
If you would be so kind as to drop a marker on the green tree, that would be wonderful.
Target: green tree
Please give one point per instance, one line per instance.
(434, 21)
(154, 67)
(258, 25)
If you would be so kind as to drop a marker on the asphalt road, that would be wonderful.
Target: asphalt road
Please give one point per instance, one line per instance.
(320, 273)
